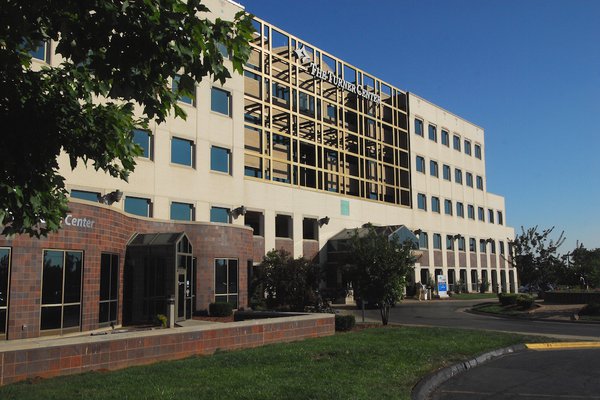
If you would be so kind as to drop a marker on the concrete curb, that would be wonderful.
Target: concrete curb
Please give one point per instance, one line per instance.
(524, 318)
(423, 389)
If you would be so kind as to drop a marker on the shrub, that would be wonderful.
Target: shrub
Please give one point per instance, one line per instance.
(220, 309)
(525, 301)
(507, 299)
(161, 320)
(484, 286)
(590, 309)
(344, 322)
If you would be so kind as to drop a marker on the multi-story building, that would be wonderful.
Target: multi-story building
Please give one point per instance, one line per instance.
(300, 147)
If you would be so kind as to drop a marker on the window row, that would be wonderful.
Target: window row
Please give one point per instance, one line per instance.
(458, 242)
(183, 152)
(492, 216)
(62, 289)
(447, 173)
(458, 144)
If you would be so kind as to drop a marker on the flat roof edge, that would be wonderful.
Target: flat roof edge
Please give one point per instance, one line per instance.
(446, 110)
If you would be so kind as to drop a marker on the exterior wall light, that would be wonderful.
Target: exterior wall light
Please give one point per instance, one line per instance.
(323, 221)
(110, 198)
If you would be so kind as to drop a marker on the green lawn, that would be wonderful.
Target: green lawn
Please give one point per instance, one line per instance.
(498, 309)
(474, 296)
(378, 363)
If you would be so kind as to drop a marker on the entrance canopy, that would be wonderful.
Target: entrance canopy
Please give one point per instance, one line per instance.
(158, 267)
(338, 245)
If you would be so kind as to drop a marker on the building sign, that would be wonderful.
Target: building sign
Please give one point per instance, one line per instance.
(442, 286)
(86, 223)
(332, 78)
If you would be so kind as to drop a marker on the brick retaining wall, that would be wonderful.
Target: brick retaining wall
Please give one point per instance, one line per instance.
(64, 356)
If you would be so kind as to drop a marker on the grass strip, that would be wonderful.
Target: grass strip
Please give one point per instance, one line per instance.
(382, 363)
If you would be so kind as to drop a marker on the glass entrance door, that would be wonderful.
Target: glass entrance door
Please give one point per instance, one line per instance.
(181, 288)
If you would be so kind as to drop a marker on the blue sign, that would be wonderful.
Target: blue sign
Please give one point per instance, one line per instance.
(442, 287)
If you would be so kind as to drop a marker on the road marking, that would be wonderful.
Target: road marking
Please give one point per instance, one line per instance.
(562, 345)
(513, 395)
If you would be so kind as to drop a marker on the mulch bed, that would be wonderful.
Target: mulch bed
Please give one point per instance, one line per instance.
(213, 319)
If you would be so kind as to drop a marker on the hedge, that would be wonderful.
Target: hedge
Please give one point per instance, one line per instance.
(344, 322)
(220, 309)
(572, 297)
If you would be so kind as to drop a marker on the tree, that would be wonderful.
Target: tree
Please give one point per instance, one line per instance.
(378, 266)
(117, 55)
(584, 267)
(536, 258)
(288, 283)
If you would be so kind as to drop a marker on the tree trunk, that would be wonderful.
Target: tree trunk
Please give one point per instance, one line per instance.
(385, 313)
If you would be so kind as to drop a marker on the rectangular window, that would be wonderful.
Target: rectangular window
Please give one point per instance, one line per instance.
(448, 207)
(493, 246)
(445, 138)
(471, 211)
(182, 151)
(420, 164)
(220, 101)
(458, 176)
(460, 209)
(478, 151)
(437, 241)
(500, 218)
(481, 213)
(423, 240)
(467, 147)
(109, 288)
(41, 52)
(432, 133)
(4, 288)
(418, 127)
(283, 226)
(61, 291)
(138, 206)
(310, 229)
(144, 140)
(490, 216)
(461, 243)
(469, 179)
(84, 195)
(433, 168)
(472, 245)
(226, 281)
(435, 204)
(182, 211)
(184, 98)
(220, 214)
(479, 183)
(482, 246)
(255, 220)
(220, 159)
(446, 172)
(450, 242)
(422, 201)
(501, 243)
(456, 141)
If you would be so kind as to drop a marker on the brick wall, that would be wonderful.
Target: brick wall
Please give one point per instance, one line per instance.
(53, 357)
(110, 233)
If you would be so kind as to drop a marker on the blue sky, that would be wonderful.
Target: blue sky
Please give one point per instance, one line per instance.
(527, 71)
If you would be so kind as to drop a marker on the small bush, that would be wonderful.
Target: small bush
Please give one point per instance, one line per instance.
(484, 286)
(344, 322)
(525, 301)
(507, 299)
(220, 309)
(161, 319)
(590, 309)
